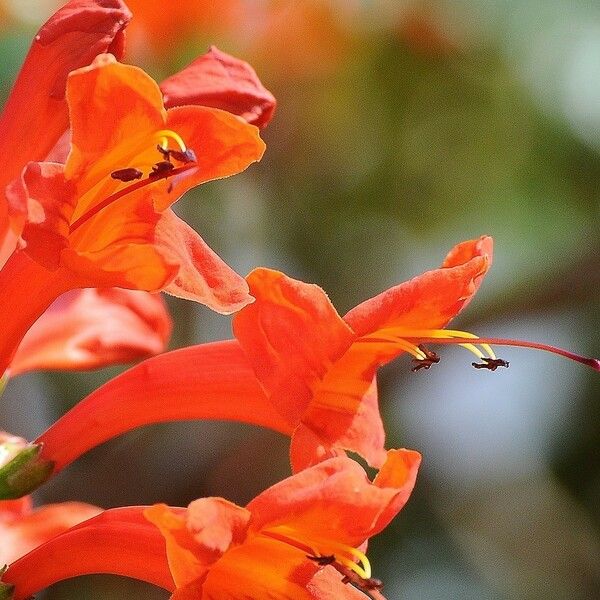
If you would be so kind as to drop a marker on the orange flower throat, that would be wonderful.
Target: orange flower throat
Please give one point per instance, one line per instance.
(161, 169)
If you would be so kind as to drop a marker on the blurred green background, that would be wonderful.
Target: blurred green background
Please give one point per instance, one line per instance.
(402, 128)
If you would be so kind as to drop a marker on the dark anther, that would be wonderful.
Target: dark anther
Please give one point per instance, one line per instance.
(491, 364)
(185, 157)
(164, 151)
(431, 358)
(126, 174)
(322, 561)
(160, 168)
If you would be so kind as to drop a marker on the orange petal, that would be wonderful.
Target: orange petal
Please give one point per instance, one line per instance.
(292, 335)
(185, 566)
(399, 472)
(201, 537)
(48, 200)
(35, 114)
(202, 275)
(127, 107)
(223, 143)
(260, 568)
(116, 248)
(33, 529)
(211, 381)
(430, 300)
(222, 81)
(335, 501)
(216, 524)
(344, 413)
(88, 329)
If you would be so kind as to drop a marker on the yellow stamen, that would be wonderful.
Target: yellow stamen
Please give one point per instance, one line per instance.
(165, 134)
(98, 183)
(401, 337)
(392, 339)
(405, 338)
(101, 184)
(344, 554)
(446, 333)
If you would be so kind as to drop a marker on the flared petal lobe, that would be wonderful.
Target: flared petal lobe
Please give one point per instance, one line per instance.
(201, 537)
(319, 369)
(36, 114)
(218, 550)
(292, 335)
(335, 500)
(202, 276)
(222, 81)
(430, 300)
(260, 568)
(89, 329)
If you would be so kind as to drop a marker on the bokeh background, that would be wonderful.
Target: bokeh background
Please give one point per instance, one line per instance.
(402, 128)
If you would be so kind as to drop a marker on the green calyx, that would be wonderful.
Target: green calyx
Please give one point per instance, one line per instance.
(6, 590)
(22, 474)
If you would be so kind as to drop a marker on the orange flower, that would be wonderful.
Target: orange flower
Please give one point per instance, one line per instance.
(318, 368)
(303, 538)
(35, 114)
(297, 368)
(89, 329)
(87, 225)
(21, 527)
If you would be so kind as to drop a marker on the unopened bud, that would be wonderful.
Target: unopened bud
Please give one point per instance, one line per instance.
(21, 468)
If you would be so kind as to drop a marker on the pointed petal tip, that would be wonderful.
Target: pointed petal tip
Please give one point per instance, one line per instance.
(219, 80)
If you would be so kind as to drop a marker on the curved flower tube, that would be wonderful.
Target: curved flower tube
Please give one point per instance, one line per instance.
(91, 328)
(210, 381)
(117, 542)
(303, 538)
(35, 114)
(87, 225)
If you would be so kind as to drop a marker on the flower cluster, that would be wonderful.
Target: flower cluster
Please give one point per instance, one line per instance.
(89, 239)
